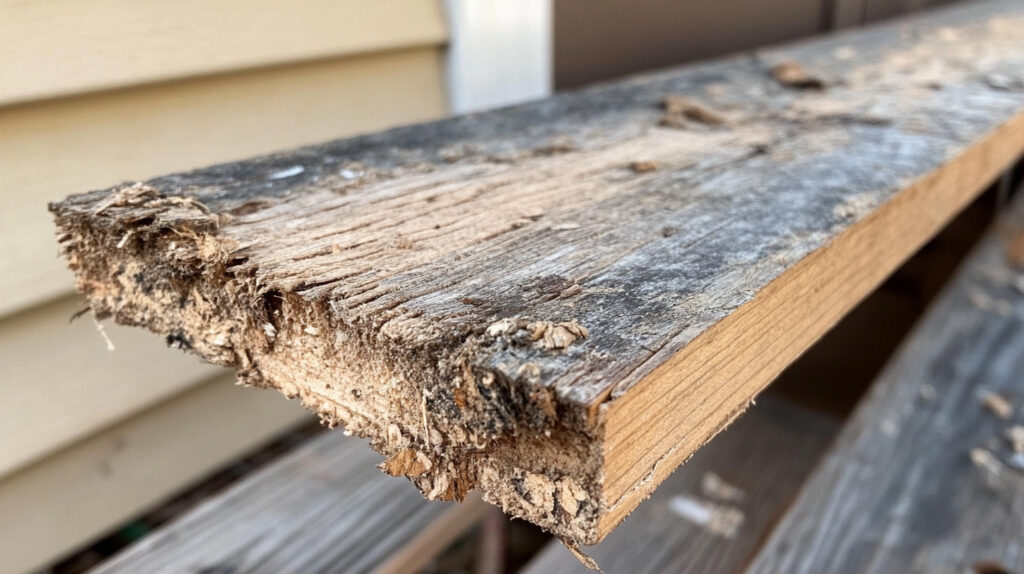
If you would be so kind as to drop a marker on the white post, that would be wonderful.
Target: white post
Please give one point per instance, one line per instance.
(500, 52)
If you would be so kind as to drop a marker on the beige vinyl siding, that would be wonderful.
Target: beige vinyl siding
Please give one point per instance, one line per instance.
(54, 148)
(58, 381)
(67, 499)
(60, 47)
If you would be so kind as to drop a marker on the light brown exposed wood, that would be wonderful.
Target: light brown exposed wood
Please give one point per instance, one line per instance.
(62, 47)
(77, 494)
(711, 515)
(506, 301)
(749, 348)
(107, 137)
(59, 383)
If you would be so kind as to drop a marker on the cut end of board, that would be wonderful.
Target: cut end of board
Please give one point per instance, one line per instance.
(427, 400)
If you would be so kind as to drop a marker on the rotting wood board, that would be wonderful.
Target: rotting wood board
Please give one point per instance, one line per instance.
(503, 301)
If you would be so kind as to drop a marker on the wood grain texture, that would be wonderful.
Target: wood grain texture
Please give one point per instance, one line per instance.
(899, 492)
(363, 521)
(63, 47)
(59, 383)
(106, 137)
(767, 454)
(70, 498)
(519, 298)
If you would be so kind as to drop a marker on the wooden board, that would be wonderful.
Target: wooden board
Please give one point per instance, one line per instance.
(363, 521)
(59, 383)
(521, 300)
(104, 138)
(62, 47)
(921, 478)
(691, 524)
(83, 491)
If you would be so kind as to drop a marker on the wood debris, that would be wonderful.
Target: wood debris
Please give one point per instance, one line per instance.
(715, 487)
(793, 75)
(996, 403)
(990, 464)
(643, 166)
(1015, 434)
(580, 555)
(681, 112)
(1015, 250)
(719, 519)
(551, 336)
(409, 462)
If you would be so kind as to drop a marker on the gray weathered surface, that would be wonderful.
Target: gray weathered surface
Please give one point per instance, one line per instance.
(361, 519)
(767, 454)
(393, 281)
(899, 492)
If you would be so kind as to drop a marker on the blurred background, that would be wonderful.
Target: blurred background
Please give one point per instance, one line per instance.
(93, 92)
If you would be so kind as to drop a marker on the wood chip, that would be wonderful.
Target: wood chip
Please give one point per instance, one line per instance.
(1015, 250)
(407, 462)
(1015, 435)
(718, 519)
(997, 404)
(643, 166)
(714, 487)
(680, 111)
(793, 75)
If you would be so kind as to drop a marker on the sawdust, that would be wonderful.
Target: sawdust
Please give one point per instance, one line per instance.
(794, 75)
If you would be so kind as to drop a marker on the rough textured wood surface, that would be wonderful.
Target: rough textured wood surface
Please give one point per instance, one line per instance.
(364, 522)
(695, 524)
(927, 475)
(558, 303)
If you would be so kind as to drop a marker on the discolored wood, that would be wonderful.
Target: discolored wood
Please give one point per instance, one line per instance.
(505, 301)
(364, 522)
(925, 477)
(767, 454)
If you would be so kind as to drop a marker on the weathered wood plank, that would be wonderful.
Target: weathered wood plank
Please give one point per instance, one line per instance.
(564, 300)
(922, 478)
(81, 492)
(364, 522)
(693, 525)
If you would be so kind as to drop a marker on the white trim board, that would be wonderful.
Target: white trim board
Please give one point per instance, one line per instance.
(499, 53)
